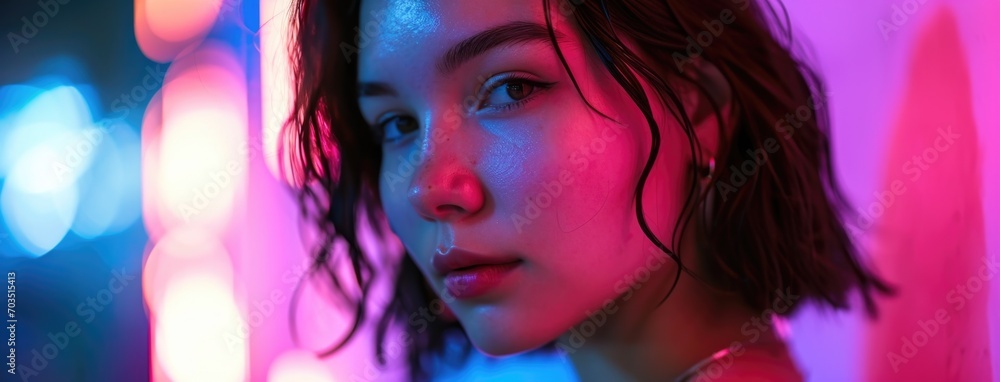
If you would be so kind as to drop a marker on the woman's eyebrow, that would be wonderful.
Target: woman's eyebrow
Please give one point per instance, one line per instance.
(374, 89)
(517, 32)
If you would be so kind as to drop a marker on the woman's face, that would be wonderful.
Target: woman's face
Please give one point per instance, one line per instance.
(514, 198)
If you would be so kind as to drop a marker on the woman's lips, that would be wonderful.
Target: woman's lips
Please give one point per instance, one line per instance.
(477, 280)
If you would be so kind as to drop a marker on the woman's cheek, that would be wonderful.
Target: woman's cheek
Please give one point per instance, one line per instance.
(394, 179)
(594, 176)
(392, 183)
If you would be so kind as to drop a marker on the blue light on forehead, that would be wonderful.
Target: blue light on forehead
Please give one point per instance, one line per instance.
(414, 14)
(399, 21)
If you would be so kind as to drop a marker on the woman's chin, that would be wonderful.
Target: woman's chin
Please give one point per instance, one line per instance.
(501, 344)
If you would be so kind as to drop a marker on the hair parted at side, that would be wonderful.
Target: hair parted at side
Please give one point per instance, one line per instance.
(781, 229)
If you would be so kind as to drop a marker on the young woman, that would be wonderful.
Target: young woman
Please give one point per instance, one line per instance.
(644, 185)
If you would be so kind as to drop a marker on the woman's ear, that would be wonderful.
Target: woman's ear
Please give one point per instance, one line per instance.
(709, 103)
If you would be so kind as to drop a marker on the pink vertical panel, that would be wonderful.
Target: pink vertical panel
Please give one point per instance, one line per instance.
(929, 231)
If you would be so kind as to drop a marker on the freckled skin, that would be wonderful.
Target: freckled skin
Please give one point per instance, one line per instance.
(485, 169)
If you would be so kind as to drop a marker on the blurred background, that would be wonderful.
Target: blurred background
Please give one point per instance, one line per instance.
(147, 234)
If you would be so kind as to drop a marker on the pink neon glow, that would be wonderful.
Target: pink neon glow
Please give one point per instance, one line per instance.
(152, 127)
(197, 332)
(203, 147)
(195, 171)
(931, 237)
(299, 366)
(183, 252)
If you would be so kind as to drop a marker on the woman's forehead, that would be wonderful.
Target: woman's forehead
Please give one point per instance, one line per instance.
(386, 21)
(411, 29)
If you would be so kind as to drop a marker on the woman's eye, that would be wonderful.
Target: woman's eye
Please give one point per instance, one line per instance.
(396, 127)
(509, 92)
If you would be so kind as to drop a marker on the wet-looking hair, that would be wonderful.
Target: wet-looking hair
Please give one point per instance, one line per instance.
(782, 228)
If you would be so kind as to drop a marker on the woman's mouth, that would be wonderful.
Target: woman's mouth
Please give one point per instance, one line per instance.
(477, 280)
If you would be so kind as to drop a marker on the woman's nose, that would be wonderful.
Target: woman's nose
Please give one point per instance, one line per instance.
(445, 186)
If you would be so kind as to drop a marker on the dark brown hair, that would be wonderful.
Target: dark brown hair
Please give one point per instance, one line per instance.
(780, 229)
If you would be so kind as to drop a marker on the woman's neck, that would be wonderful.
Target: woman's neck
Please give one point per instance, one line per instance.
(642, 341)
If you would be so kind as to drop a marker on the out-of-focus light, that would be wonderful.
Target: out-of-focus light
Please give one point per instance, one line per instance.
(152, 127)
(203, 148)
(109, 198)
(168, 29)
(191, 331)
(49, 143)
(13, 98)
(129, 206)
(37, 220)
(298, 366)
(66, 133)
(183, 252)
(275, 80)
(180, 20)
